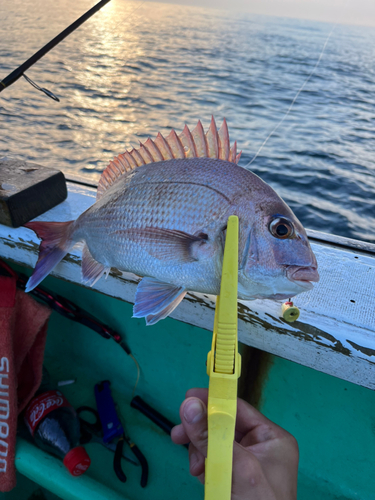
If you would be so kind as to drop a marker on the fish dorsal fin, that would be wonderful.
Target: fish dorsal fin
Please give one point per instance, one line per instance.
(195, 144)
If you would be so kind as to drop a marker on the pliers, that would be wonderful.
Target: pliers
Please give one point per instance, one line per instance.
(92, 432)
(112, 428)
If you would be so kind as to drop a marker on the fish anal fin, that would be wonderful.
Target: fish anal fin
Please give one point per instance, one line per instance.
(165, 244)
(155, 300)
(213, 144)
(92, 270)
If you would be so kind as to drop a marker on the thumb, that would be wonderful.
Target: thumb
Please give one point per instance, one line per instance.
(193, 413)
(248, 481)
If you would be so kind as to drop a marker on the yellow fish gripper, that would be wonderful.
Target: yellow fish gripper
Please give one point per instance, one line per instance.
(224, 369)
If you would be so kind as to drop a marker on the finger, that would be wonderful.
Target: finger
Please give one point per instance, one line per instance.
(279, 461)
(198, 393)
(193, 415)
(249, 480)
(278, 452)
(250, 421)
(248, 417)
(196, 461)
(178, 435)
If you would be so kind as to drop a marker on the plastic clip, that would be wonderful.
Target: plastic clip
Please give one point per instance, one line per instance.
(224, 369)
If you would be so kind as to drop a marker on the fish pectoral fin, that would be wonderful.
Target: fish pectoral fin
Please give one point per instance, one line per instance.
(165, 244)
(155, 300)
(92, 270)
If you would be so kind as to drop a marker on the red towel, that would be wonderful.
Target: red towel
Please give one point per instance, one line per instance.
(23, 331)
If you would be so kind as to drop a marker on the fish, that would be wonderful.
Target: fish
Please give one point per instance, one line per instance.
(161, 213)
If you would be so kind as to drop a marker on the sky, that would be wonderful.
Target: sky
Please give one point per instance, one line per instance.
(357, 12)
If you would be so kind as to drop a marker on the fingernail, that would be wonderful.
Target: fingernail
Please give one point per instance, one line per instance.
(193, 411)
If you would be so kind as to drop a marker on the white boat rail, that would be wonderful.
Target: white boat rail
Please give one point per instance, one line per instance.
(334, 334)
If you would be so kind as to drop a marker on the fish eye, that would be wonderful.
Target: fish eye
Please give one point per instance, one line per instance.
(281, 228)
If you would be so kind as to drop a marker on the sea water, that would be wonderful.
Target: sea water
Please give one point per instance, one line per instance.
(136, 68)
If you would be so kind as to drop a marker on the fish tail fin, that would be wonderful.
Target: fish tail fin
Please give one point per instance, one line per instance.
(56, 242)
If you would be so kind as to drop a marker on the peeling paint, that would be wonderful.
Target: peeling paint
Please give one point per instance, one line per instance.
(9, 244)
(365, 350)
(300, 330)
(333, 335)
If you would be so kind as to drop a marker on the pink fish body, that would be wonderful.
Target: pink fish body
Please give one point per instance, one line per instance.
(161, 213)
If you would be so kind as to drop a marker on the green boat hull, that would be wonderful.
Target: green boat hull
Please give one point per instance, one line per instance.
(333, 420)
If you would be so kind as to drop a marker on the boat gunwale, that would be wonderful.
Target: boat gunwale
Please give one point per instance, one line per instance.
(313, 235)
(334, 334)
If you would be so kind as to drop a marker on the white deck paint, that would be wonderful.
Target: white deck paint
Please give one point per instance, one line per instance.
(335, 333)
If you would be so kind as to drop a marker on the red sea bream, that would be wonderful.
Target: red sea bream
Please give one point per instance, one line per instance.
(161, 213)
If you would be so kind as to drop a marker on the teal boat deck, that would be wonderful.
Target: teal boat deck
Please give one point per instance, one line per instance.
(332, 418)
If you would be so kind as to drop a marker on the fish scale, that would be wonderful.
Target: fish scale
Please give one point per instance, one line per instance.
(152, 193)
(153, 198)
(161, 213)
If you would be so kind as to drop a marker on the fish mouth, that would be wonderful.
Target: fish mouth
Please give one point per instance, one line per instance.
(304, 276)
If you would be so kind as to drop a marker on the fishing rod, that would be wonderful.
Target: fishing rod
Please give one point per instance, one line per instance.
(17, 73)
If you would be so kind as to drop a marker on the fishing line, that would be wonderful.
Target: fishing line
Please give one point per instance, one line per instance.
(295, 98)
(114, 29)
(17, 73)
(42, 89)
(20, 71)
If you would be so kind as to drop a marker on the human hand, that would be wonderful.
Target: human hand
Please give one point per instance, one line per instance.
(265, 456)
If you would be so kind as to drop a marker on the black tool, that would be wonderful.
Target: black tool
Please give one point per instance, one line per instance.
(17, 73)
(139, 404)
(113, 428)
(92, 432)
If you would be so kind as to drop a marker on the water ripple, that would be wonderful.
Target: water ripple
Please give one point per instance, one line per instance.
(137, 68)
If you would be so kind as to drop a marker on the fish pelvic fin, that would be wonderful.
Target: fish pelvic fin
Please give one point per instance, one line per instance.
(195, 144)
(92, 270)
(155, 300)
(56, 242)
